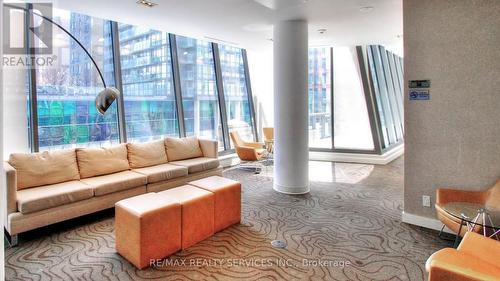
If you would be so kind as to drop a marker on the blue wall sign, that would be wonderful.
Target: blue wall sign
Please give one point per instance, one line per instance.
(419, 95)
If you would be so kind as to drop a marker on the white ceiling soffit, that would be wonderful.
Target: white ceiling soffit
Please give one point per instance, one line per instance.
(248, 23)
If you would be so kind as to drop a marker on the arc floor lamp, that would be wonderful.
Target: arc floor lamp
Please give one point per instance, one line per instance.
(108, 95)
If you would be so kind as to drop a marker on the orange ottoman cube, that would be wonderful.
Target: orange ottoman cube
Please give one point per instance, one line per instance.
(227, 199)
(197, 213)
(147, 227)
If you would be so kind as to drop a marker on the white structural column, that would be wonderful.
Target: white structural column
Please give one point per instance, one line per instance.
(291, 172)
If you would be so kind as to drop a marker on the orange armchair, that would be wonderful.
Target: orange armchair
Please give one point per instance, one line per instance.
(490, 198)
(247, 151)
(269, 138)
(268, 133)
(475, 259)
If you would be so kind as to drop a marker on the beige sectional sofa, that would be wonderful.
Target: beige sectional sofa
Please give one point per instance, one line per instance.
(49, 187)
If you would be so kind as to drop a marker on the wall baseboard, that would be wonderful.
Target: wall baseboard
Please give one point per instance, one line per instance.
(424, 222)
(376, 159)
(232, 159)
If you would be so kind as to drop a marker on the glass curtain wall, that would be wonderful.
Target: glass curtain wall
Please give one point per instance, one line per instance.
(239, 114)
(386, 72)
(148, 91)
(199, 89)
(320, 93)
(350, 123)
(66, 91)
(64, 94)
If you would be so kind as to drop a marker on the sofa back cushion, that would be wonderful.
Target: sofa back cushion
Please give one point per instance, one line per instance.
(102, 161)
(48, 167)
(184, 148)
(147, 154)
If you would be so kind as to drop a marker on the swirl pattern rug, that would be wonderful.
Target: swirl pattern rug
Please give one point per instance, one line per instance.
(347, 228)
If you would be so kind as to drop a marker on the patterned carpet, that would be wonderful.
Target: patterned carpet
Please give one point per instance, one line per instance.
(346, 230)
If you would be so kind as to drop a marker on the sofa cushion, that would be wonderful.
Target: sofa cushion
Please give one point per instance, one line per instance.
(102, 161)
(184, 148)
(38, 169)
(146, 154)
(162, 172)
(107, 184)
(49, 196)
(199, 164)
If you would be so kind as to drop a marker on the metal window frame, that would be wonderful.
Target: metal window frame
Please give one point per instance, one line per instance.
(33, 95)
(117, 71)
(222, 100)
(379, 111)
(177, 84)
(371, 101)
(384, 95)
(249, 94)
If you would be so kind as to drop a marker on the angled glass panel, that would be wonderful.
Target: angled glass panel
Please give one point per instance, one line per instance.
(352, 125)
(199, 89)
(66, 91)
(397, 91)
(399, 67)
(375, 79)
(320, 111)
(148, 91)
(239, 116)
(391, 93)
(384, 96)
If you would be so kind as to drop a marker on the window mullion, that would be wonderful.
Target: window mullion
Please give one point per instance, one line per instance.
(222, 99)
(115, 43)
(249, 94)
(33, 102)
(371, 98)
(332, 99)
(177, 85)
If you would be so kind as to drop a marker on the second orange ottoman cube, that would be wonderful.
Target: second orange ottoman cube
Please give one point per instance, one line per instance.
(227, 199)
(197, 212)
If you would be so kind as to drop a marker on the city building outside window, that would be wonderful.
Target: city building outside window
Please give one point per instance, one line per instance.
(66, 91)
(239, 116)
(148, 90)
(199, 89)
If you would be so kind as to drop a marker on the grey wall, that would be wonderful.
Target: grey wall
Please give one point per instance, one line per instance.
(453, 139)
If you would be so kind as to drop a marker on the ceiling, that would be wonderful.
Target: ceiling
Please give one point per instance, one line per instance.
(248, 23)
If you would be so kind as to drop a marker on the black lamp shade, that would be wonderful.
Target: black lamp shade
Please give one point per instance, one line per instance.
(105, 99)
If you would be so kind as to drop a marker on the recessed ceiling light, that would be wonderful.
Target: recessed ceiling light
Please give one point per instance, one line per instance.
(366, 9)
(146, 3)
(322, 31)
